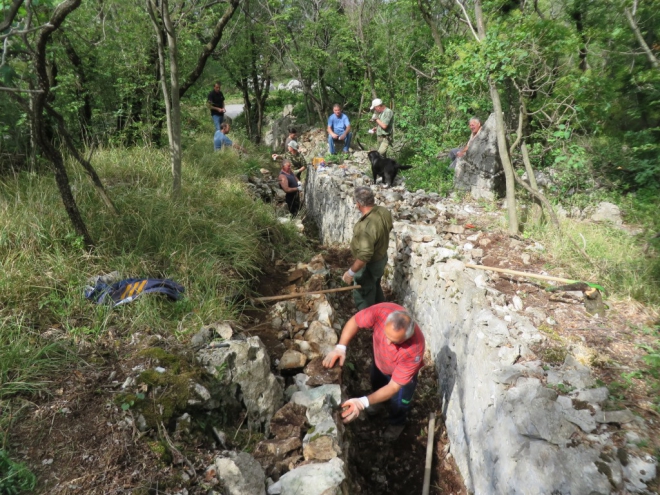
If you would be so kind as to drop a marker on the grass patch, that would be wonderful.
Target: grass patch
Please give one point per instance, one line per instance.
(622, 266)
(214, 241)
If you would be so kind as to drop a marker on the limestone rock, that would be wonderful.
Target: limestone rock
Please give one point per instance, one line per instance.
(311, 479)
(320, 443)
(321, 334)
(292, 360)
(594, 395)
(319, 375)
(305, 398)
(241, 474)
(619, 417)
(607, 213)
(246, 364)
(278, 448)
(289, 421)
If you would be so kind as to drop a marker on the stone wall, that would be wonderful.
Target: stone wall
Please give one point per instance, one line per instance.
(510, 430)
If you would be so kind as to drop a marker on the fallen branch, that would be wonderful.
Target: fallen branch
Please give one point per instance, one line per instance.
(522, 274)
(303, 294)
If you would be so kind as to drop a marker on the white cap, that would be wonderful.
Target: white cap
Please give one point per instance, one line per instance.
(375, 103)
(293, 145)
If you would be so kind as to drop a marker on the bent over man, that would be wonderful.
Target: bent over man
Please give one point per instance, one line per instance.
(398, 356)
(371, 237)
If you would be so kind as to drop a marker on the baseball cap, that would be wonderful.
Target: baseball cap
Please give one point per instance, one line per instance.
(293, 145)
(375, 103)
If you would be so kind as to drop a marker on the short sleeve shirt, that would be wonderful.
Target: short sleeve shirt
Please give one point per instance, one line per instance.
(400, 361)
(387, 118)
(338, 124)
(220, 140)
(217, 100)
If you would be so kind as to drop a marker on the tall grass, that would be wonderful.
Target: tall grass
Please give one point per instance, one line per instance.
(619, 261)
(214, 240)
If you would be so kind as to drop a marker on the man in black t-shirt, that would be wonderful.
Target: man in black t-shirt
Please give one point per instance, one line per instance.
(216, 103)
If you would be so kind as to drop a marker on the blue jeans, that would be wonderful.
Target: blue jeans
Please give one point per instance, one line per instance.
(347, 143)
(400, 402)
(217, 120)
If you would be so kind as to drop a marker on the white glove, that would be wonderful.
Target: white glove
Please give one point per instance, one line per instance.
(338, 354)
(355, 407)
(300, 188)
(348, 276)
(299, 184)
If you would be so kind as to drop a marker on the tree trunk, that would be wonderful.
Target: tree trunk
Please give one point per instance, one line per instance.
(501, 133)
(62, 179)
(653, 60)
(424, 8)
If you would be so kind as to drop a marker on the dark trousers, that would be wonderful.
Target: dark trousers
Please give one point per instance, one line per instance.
(400, 403)
(369, 278)
(293, 202)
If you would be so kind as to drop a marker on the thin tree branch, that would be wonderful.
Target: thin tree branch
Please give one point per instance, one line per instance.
(640, 39)
(11, 14)
(19, 90)
(467, 18)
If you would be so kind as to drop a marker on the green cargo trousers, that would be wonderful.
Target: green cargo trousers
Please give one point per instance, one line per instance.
(369, 278)
(384, 143)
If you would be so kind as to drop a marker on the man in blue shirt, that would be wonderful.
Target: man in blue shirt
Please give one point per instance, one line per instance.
(339, 129)
(221, 141)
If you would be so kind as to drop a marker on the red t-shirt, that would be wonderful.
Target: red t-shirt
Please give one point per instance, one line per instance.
(401, 361)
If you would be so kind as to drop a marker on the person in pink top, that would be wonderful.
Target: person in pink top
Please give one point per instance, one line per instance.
(398, 356)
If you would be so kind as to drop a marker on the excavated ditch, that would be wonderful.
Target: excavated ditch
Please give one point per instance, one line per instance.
(516, 424)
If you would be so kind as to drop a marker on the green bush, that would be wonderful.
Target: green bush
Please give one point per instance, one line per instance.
(15, 478)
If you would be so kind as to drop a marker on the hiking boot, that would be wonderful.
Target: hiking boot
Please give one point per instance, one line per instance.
(392, 432)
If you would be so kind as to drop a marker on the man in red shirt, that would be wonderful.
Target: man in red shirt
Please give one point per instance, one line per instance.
(398, 357)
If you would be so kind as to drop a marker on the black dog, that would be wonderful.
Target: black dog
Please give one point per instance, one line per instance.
(384, 167)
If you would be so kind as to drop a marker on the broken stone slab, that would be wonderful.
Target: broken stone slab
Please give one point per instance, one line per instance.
(289, 421)
(312, 479)
(593, 395)
(638, 472)
(246, 364)
(292, 360)
(324, 312)
(310, 349)
(241, 474)
(317, 265)
(305, 398)
(544, 420)
(320, 442)
(619, 417)
(320, 375)
(321, 334)
(319, 410)
(581, 418)
(452, 229)
(277, 448)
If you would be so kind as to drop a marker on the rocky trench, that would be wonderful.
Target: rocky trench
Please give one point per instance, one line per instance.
(291, 404)
(516, 424)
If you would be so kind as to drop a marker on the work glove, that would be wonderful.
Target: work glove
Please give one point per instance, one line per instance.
(347, 277)
(353, 408)
(300, 187)
(339, 353)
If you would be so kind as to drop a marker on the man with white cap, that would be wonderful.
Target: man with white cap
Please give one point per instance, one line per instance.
(298, 162)
(383, 118)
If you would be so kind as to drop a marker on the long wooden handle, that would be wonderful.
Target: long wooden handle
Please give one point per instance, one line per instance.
(302, 294)
(522, 274)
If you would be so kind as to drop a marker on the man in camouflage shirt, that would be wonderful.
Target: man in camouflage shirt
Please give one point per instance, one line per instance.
(371, 237)
(298, 162)
(384, 119)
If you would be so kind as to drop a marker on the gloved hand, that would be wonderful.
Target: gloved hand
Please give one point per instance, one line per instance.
(300, 187)
(347, 277)
(339, 353)
(354, 408)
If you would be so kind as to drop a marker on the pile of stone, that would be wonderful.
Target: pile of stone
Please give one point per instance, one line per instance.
(303, 449)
